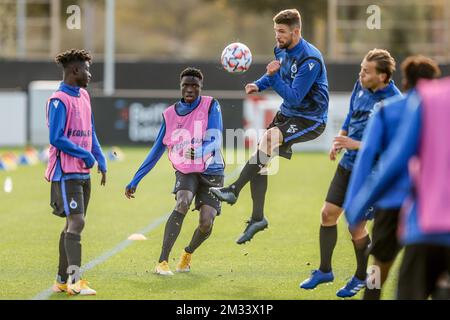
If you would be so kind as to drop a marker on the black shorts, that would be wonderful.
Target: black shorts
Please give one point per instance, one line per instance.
(422, 266)
(385, 245)
(199, 185)
(338, 187)
(295, 130)
(70, 197)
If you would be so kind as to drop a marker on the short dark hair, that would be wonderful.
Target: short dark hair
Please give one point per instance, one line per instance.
(192, 72)
(73, 55)
(385, 63)
(291, 17)
(419, 67)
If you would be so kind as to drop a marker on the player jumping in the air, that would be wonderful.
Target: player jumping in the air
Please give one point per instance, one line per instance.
(73, 151)
(299, 76)
(374, 86)
(378, 136)
(192, 133)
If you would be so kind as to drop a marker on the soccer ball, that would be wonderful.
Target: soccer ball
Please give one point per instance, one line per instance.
(236, 58)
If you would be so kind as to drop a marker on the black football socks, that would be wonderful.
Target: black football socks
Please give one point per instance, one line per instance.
(72, 244)
(171, 232)
(63, 264)
(258, 188)
(327, 239)
(197, 239)
(362, 257)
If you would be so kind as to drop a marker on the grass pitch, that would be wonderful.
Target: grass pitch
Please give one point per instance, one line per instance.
(271, 266)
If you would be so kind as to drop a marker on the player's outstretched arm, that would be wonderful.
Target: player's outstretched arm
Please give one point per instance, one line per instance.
(262, 84)
(152, 158)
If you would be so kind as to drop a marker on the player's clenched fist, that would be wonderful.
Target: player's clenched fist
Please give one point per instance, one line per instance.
(129, 192)
(273, 67)
(251, 88)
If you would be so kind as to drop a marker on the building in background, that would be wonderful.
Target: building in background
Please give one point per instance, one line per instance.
(155, 29)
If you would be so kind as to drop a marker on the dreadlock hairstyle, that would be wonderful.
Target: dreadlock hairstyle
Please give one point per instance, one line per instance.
(73, 55)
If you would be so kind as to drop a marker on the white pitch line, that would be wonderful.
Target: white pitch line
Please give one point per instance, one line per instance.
(45, 294)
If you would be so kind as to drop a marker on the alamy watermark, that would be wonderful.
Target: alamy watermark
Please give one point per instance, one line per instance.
(373, 277)
(188, 148)
(73, 22)
(74, 273)
(374, 20)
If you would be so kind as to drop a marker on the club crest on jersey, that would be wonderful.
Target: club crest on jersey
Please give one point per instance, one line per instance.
(377, 106)
(294, 68)
(73, 204)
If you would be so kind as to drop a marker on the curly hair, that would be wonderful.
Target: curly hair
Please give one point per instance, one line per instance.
(73, 55)
(192, 72)
(419, 67)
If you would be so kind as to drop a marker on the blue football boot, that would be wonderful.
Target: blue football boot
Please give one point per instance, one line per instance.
(317, 277)
(351, 288)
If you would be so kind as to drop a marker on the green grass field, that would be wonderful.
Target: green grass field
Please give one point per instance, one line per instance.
(269, 267)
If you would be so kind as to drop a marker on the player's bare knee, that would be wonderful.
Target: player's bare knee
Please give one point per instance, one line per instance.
(358, 232)
(329, 217)
(183, 204)
(184, 200)
(205, 224)
(206, 220)
(76, 224)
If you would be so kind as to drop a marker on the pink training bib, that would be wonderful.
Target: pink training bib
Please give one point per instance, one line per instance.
(186, 132)
(78, 130)
(432, 167)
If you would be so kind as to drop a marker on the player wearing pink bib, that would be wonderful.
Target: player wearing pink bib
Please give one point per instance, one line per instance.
(192, 133)
(74, 148)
